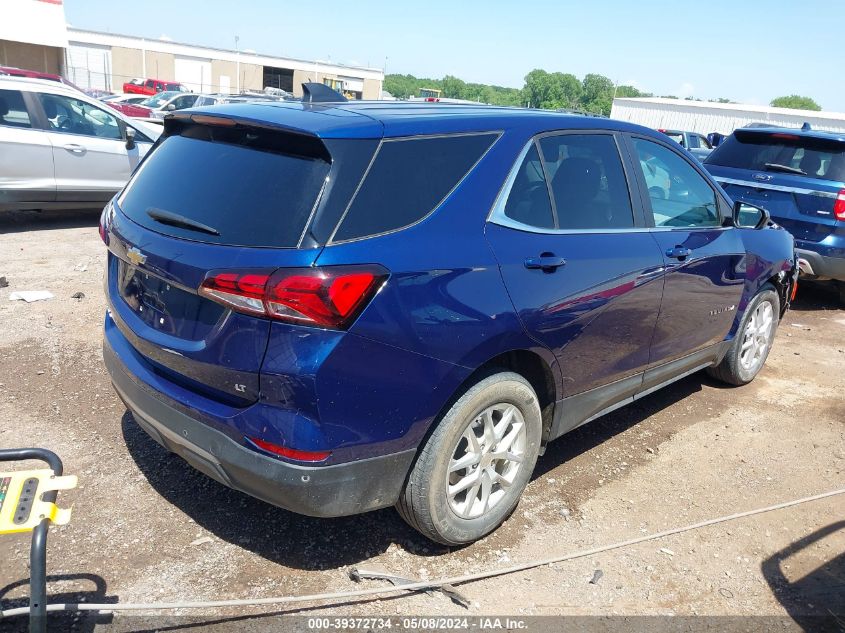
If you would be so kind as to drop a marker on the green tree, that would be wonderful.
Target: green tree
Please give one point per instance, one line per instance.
(597, 94)
(627, 92)
(796, 102)
(551, 90)
(402, 86)
(453, 88)
(405, 86)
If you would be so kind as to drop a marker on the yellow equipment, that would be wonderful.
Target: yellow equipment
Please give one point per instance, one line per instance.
(27, 503)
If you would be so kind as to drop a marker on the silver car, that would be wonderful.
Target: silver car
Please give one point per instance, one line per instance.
(62, 149)
(164, 103)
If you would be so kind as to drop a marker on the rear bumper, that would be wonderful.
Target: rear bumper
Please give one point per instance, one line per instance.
(815, 264)
(320, 491)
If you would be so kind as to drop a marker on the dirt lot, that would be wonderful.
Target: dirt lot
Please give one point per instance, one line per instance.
(690, 452)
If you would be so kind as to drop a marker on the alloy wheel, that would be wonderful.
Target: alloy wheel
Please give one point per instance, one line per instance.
(757, 336)
(486, 460)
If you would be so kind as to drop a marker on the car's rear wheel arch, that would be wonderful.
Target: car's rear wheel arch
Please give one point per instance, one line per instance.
(530, 365)
(781, 285)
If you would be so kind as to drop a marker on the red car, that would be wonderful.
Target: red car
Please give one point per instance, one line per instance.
(128, 105)
(131, 109)
(152, 86)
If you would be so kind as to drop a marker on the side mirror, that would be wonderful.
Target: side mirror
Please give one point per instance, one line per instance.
(130, 138)
(749, 216)
(170, 107)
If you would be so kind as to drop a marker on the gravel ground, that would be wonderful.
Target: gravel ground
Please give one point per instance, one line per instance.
(146, 527)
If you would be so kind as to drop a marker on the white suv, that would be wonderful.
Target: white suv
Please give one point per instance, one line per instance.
(62, 149)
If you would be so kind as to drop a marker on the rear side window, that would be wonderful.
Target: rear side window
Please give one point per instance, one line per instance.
(408, 179)
(13, 110)
(587, 181)
(782, 152)
(247, 188)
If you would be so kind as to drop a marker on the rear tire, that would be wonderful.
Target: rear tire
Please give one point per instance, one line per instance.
(471, 471)
(750, 347)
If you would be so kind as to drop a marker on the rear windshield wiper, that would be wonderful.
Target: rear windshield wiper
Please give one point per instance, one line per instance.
(174, 219)
(785, 169)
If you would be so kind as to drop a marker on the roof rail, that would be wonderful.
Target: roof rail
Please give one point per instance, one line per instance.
(313, 92)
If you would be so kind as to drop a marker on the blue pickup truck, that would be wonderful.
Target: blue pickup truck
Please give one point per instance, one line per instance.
(798, 175)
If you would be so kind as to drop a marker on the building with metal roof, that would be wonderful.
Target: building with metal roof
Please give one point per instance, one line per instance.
(705, 117)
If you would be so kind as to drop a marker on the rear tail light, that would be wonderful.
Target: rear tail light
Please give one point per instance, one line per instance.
(330, 297)
(839, 205)
(103, 227)
(290, 453)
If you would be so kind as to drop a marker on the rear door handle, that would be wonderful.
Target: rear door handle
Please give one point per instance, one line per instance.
(547, 262)
(75, 148)
(679, 252)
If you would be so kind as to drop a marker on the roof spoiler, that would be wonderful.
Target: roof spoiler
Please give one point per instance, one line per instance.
(312, 92)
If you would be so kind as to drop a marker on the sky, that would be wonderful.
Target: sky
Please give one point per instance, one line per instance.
(749, 51)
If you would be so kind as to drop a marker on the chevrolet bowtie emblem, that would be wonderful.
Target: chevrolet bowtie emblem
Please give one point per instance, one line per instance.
(135, 256)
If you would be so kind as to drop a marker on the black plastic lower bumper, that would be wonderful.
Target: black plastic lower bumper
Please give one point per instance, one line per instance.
(822, 266)
(320, 491)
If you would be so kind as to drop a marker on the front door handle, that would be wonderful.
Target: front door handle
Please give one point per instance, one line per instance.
(679, 252)
(547, 262)
(75, 148)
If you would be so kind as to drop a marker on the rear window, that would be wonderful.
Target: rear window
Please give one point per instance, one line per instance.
(678, 137)
(756, 151)
(408, 179)
(253, 188)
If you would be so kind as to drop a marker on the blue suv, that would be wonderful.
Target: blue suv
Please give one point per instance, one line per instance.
(340, 307)
(799, 176)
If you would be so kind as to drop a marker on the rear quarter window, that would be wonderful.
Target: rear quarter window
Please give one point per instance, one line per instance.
(407, 180)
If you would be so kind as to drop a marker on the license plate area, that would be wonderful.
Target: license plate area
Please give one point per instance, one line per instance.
(166, 307)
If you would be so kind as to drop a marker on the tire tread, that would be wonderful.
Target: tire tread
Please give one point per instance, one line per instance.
(412, 505)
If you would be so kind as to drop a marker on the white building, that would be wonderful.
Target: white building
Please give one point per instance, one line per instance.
(107, 60)
(34, 36)
(705, 117)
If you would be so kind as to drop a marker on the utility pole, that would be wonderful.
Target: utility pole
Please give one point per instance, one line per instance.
(238, 64)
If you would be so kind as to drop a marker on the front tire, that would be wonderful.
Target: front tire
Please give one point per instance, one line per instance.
(473, 468)
(750, 348)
